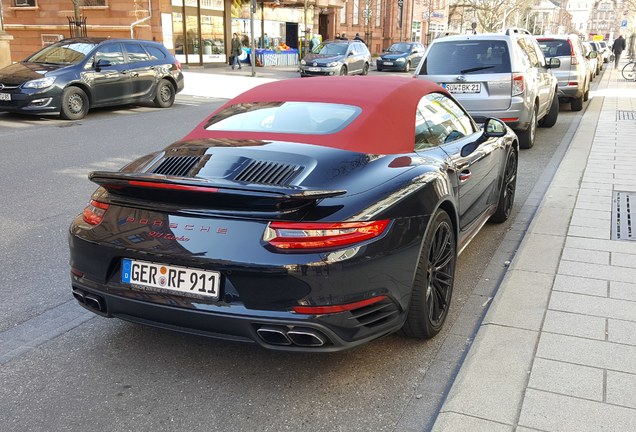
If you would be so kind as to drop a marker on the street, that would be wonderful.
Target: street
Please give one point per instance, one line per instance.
(87, 373)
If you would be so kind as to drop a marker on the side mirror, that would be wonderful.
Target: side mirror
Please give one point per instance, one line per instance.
(553, 63)
(593, 54)
(101, 63)
(493, 128)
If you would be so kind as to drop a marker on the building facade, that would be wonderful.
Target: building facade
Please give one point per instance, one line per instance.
(199, 31)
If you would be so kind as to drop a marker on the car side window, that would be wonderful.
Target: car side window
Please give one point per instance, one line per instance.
(439, 120)
(112, 53)
(530, 52)
(155, 53)
(136, 52)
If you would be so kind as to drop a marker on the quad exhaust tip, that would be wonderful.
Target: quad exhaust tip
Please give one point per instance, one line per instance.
(284, 336)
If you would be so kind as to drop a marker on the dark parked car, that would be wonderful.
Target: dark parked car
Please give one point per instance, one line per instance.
(401, 56)
(338, 57)
(71, 76)
(293, 218)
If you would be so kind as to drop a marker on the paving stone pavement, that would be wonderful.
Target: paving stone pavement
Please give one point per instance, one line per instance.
(557, 348)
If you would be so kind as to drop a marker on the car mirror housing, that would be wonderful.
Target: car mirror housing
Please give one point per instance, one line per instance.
(494, 128)
(101, 63)
(553, 63)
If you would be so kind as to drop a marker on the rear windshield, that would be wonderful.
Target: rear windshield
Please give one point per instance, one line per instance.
(62, 53)
(555, 47)
(312, 118)
(465, 57)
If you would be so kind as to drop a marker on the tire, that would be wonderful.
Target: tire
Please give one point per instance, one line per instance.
(526, 137)
(343, 71)
(629, 71)
(576, 104)
(434, 278)
(550, 119)
(507, 192)
(365, 69)
(379, 69)
(407, 67)
(74, 104)
(164, 95)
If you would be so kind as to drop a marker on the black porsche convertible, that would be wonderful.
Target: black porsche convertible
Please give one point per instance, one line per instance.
(298, 217)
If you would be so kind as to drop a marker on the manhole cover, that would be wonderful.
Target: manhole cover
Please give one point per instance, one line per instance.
(622, 223)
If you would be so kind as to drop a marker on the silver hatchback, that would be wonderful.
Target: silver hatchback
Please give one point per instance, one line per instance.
(496, 75)
(574, 74)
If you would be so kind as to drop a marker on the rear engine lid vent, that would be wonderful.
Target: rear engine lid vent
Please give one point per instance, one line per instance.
(178, 166)
(267, 172)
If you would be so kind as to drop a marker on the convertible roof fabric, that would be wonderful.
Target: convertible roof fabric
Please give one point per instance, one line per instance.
(386, 124)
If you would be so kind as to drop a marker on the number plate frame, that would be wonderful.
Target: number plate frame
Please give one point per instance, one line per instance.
(171, 279)
(463, 88)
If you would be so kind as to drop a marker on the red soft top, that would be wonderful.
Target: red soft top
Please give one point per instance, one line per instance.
(386, 124)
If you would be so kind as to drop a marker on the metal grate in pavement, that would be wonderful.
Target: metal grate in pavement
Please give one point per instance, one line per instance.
(625, 115)
(622, 221)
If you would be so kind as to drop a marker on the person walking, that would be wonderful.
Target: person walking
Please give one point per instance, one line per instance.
(618, 47)
(358, 38)
(235, 51)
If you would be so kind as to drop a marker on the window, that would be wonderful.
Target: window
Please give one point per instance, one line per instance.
(136, 52)
(343, 14)
(475, 57)
(314, 118)
(378, 13)
(84, 3)
(155, 53)
(355, 18)
(438, 121)
(24, 3)
(111, 53)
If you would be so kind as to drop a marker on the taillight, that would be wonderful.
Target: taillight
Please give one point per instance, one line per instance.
(518, 85)
(320, 235)
(94, 212)
(177, 63)
(574, 61)
(321, 310)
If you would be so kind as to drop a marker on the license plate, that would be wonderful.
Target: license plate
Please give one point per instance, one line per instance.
(463, 88)
(171, 278)
(312, 69)
(388, 63)
(5, 96)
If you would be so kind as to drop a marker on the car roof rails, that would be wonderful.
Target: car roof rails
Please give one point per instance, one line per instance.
(516, 30)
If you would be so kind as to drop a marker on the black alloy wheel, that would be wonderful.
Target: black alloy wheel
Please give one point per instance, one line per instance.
(507, 192)
(433, 285)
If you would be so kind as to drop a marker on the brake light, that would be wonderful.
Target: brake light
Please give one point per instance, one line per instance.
(518, 85)
(171, 186)
(94, 212)
(321, 310)
(574, 61)
(177, 63)
(320, 235)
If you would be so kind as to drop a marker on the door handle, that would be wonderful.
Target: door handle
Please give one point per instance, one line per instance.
(464, 175)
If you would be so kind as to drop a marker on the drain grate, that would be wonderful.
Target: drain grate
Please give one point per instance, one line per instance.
(622, 224)
(625, 115)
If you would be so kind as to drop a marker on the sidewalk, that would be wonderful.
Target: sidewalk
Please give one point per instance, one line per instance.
(557, 348)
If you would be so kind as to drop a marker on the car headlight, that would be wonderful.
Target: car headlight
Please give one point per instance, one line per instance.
(302, 62)
(332, 64)
(39, 83)
(400, 60)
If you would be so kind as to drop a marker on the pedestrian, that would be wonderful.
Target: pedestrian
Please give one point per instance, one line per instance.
(617, 47)
(358, 38)
(235, 51)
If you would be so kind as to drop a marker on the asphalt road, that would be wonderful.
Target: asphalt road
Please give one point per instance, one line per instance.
(64, 369)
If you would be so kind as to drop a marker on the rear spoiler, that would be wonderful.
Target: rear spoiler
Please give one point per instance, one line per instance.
(216, 193)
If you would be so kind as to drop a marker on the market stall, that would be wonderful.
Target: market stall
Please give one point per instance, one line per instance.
(268, 57)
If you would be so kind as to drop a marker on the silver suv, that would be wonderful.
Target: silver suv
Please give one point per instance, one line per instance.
(338, 57)
(574, 74)
(497, 75)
